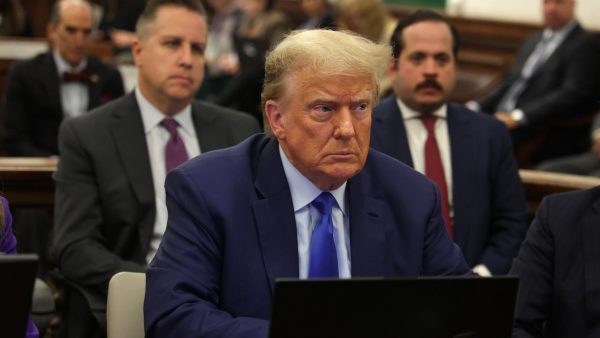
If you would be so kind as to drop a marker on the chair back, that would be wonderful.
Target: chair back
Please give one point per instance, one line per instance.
(125, 306)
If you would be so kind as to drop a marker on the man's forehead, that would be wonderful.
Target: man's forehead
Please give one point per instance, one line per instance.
(315, 85)
(163, 26)
(428, 35)
(75, 15)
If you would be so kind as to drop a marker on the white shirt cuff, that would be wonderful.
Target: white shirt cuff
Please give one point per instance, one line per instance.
(482, 270)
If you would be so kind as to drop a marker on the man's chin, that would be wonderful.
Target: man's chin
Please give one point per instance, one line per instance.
(429, 106)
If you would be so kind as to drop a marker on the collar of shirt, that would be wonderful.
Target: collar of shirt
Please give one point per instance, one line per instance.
(303, 191)
(62, 65)
(152, 117)
(559, 34)
(555, 38)
(410, 114)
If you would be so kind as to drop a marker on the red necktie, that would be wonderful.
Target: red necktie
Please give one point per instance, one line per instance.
(175, 152)
(435, 170)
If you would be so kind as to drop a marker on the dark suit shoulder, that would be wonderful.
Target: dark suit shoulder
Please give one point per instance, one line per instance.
(97, 117)
(386, 173)
(209, 111)
(230, 159)
(571, 205)
(34, 65)
(480, 119)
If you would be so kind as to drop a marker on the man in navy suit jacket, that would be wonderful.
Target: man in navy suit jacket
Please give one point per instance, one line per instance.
(241, 217)
(486, 201)
(558, 265)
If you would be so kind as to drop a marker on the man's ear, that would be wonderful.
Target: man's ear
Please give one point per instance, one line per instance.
(392, 67)
(50, 32)
(274, 117)
(136, 50)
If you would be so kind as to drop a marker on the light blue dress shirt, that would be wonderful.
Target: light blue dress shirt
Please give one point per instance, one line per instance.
(303, 192)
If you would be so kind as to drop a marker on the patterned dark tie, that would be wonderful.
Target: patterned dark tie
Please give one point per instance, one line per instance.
(81, 76)
(434, 168)
(175, 152)
(323, 255)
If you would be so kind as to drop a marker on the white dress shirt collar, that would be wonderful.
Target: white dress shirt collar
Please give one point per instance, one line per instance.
(560, 33)
(151, 116)
(409, 113)
(63, 66)
(303, 191)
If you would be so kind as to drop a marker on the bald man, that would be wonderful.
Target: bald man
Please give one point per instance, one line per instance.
(61, 83)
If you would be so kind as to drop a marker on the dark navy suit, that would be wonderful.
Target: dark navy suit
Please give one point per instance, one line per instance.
(489, 202)
(232, 231)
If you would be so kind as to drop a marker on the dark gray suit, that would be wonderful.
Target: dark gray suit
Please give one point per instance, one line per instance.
(559, 268)
(105, 201)
(566, 85)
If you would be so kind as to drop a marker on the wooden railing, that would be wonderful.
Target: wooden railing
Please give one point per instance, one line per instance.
(28, 182)
(539, 184)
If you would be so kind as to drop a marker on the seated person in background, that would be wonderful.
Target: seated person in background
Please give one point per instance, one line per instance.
(587, 163)
(371, 19)
(118, 22)
(8, 245)
(220, 54)
(110, 210)
(318, 13)
(260, 28)
(558, 266)
(556, 75)
(64, 82)
(308, 200)
(472, 160)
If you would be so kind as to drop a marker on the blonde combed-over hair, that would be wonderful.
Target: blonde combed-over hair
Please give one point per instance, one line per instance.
(323, 52)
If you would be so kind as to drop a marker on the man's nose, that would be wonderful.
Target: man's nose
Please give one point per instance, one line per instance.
(185, 58)
(430, 67)
(344, 127)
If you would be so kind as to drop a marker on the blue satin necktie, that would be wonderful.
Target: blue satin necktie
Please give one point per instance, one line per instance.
(323, 255)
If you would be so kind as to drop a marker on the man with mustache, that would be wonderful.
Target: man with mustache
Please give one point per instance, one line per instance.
(110, 200)
(469, 155)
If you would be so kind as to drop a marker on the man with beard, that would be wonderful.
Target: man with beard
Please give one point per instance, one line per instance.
(469, 155)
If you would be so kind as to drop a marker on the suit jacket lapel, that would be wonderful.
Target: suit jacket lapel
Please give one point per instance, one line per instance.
(367, 233)
(274, 216)
(52, 84)
(559, 51)
(93, 84)
(463, 154)
(591, 254)
(392, 131)
(128, 132)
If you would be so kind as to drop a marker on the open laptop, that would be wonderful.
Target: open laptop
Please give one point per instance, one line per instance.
(17, 275)
(394, 307)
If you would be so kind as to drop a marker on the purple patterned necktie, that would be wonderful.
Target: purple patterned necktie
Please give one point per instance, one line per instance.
(175, 152)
